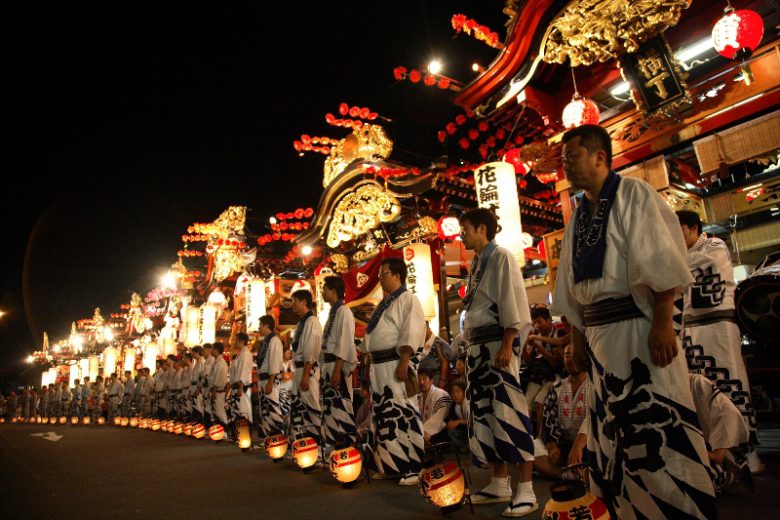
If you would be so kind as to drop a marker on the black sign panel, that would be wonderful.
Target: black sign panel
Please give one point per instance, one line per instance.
(655, 77)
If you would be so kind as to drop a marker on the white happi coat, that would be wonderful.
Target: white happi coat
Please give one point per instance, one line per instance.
(645, 252)
(434, 407)
(309, 345)
(241, 373)
(219, 378)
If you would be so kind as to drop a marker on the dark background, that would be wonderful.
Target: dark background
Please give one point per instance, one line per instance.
(131, 120)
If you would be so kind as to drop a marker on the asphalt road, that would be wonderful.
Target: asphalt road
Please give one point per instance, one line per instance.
(110, 472)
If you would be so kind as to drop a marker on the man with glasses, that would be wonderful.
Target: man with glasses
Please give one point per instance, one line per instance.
(394, 332)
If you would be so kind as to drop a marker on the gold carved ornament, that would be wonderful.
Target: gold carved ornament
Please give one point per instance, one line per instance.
(227, 259)
(363, 143)
(590, 31)
(360, 211)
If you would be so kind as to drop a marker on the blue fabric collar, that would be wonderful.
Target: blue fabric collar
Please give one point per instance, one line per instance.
(590, 234)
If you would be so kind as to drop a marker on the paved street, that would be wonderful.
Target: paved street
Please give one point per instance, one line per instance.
(102, 472)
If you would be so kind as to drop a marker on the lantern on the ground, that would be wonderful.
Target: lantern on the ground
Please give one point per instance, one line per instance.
(305, 451)
(14, 419)
(736, 35)
(443, 485)
(170, 426)
(216, 433)
(143, 424)
(44, 420)
(134, 422)
(155, 425)
(74, 419)
(86, 420)
(38, 419)
(101, 420)
(63, 420)
(199, 431)
(178, 428)
(346, 465)
(187, 429)
(124, 421)
(244, 436)
(276, 447)
(571, 500)
(580, 111)
(2, 420)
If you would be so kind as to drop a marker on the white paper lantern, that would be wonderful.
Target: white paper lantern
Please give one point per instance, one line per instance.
(208, 324)
(130, 359)
(255, 304)
(94, 367)
(497, 191)
(323, 307)
(150, 357)
(109, 361)
(419, 277)
(193, 326)
(74, 374)
(83, 368)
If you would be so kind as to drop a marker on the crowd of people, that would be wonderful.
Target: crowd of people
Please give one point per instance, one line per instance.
(654, 401)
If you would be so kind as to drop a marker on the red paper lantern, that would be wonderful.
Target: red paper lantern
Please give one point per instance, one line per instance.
(580, 111)
(738, 33)
(513, 157)
(216, 433)
(449, 227)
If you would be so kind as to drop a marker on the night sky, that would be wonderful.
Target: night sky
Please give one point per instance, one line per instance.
(130, 122)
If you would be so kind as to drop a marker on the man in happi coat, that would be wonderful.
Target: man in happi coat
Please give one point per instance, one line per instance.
(622, 259)
(338, 361)
(86, 397)
(195, 375)
(206, 380)
(159, 406)
(394, 333)
(269, 369)
(710, 334)
(241, 379)
(114, 396)
(184, 385)
(56, 399)
(127, 395)
(306, 413)
(97, 395)
(496, 325)
(75, 409)
(219, 381)
(434, 404)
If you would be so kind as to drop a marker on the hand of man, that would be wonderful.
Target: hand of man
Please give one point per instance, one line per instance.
(305, 384)
(554, 452)
(269, 387)
(663, 343)
(452, 424)
(240, 392)
(427, 438)
(575, 455)
(401, 372)
(335, 380)
(503, 357)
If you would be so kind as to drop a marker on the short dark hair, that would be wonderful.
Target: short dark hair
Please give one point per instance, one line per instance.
(172, 357)
(207, 345)
(160, 362)
(459, 384)
(304, 296)
(396, 266)
(242, 336)
(593, 138)
(540, 312)
(268, 321)
(690, 219)
(187, 355)
(219, 347)
(99, 378)
(335, 283)
(427, 372)
(197, 349)
(480, 216)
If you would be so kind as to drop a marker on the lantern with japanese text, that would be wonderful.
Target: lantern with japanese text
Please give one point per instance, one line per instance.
(443, 485)
(216, 433)
(736, 35)
(109, 361)
(255, 304)
(101, 420)
(346, 465)
(419, 277)
(570, 500)
(86, 420)
(192, 337)
(244, 437)
(276, 447)
(497, 191)
(155, 425)
(199, 431)
(305, 451)
(208, 323)
(178, 428)
(134, 422)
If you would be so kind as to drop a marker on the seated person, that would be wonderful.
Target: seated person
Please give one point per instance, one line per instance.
(433, 357)
(434, 404)
(543, 356)
(563, 421)
(458, 419)
(460, 368)
(725, 432)
(363, 415)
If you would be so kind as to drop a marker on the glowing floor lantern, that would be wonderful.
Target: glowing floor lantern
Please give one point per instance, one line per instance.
(155, 425)
(216, 433)
(187, 430)
(305, 451)
(143, 424)
(244, 437)
(101, 420)
(74, 419)
(570, 499)
(2, 420)
(199, 431)
(86, 420)
(497, 191)
(39, 419)
(14, 419)
(276, 447)
(346, 465)
(178, 428)
(125, 421)
(44, 420)
(63, 420)
(443, 485)
(170, 425)
(419, 279)
(134, 422)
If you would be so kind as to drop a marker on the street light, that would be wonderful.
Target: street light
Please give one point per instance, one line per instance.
(168, 281)
(30, 359)
(435, 67)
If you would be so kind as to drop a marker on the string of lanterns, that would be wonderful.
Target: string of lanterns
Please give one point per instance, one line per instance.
(461, 23)
(401, 73)
(311, 144)
(297, 214)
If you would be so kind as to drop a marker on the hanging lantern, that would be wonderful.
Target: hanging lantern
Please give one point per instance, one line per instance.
(496, 186)
(736, 35)
(187, 430)
(443, 485)
(109, 361)
(192, 337)
(580, 111)
(514, 157)
(216, 433)
(134, 422)
(149, 359)
(276, 447)
(178, 428)
(449, 228)
(129, 359)
(94, 367)
(125, 421)
(208, 325)
(244, 437)
(255, 304)
(101, 420)
(86, 420)
(305, 451)
(84, 368)
(199, 431)
(571, 500)
(155, 425)
(419, 279)
(346, 465)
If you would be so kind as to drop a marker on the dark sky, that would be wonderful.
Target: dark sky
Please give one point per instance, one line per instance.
(129, 121)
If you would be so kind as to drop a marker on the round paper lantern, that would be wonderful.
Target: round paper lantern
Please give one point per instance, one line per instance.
(74, 419)
(2, 420)
(199, 431)
(155, 425)
(443, 485)
(125, 421)
(305, 451)
(571, 500)
(38, 419)
(170, 426)
(187, 429)
(346, 464)
(738, 33)
(178, 428)
(44, 420)
(86, 420)
(143, 424)
(580, 111)
(276, 446)
(101, 420)
(514, 158)
(63, 420)
(134, 422)
(117, 421)
(449, 228)
(14, 419)
(216, 433)
(244, 436)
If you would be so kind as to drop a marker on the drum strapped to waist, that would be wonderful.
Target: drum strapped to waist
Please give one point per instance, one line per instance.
(612, 310)
(384, 356)
(710, 318)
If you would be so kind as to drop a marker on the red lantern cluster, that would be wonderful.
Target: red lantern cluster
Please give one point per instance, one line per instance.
(461, 23)
(386, 172)
(346, 123)
(230, 243)
(291, 226)
(297, 214)
(415, 76)
(275, 237)
(189, 254)
(311, 144)
(353, 112)
(194, 238)
(119, 316)
(738, 33)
